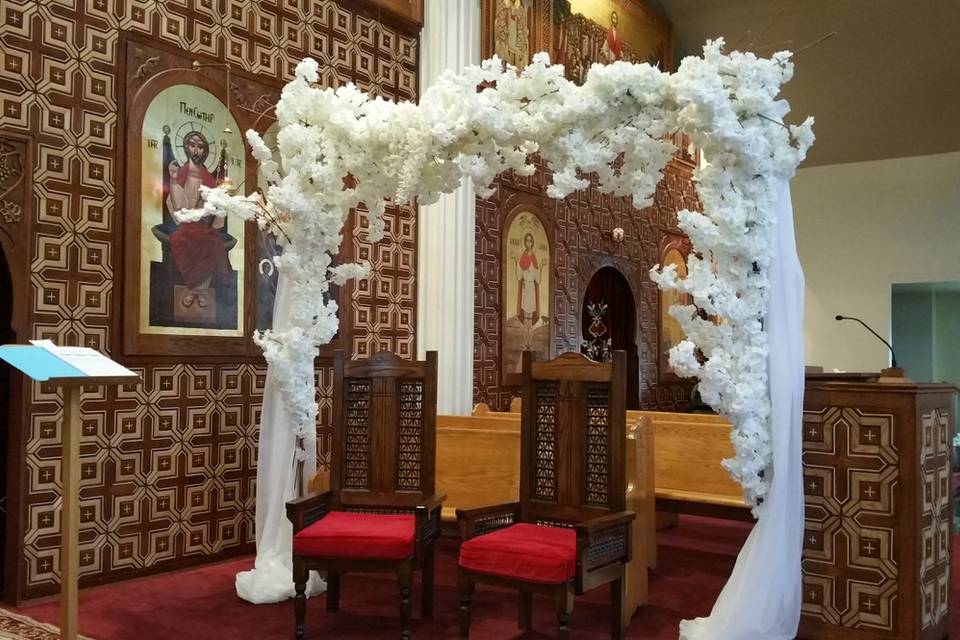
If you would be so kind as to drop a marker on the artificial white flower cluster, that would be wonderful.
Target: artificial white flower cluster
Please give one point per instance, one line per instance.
(728, 104)
(341, 149)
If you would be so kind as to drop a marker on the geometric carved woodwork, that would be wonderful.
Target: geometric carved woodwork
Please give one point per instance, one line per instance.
(850, 473)
(168, 469)
(597, 469)
(571, 468)
(410, 435)
(580, 227)
(356, 441)
(876, 471)
(384, 428)
(545, 464)
(935, 520)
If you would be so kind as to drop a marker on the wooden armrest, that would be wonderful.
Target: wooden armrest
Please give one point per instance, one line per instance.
(474, 522)
(432, 502)
(604, 540)
(304, 511)
(596, 525)
(427, 520)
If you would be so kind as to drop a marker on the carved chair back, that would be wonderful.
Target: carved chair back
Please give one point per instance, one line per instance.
(384, 431)
(573, 429)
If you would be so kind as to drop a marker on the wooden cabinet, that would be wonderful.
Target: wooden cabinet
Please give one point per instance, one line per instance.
(878, 485)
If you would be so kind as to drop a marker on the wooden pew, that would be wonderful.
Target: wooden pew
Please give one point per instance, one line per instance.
(478, 460)
(688, 475)
(478, 464)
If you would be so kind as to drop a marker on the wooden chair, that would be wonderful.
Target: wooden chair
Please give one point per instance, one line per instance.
(569, 533)
(381, 513)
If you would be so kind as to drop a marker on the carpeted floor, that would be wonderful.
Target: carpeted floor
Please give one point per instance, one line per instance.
(695, 560)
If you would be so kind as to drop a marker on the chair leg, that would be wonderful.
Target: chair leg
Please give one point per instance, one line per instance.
(426, 585)
(300, 575)
(333, 591)
(525, 610)
(465, 583)
(405, 577)
(617, 624)
(525, 614)
(564, 602)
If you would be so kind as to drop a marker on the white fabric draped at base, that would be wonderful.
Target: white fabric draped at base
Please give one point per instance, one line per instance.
(762, 598)
(271, 580)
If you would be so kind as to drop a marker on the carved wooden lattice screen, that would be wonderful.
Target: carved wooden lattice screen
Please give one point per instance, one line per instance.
(598, 444)
(573, 415)
(384, 426)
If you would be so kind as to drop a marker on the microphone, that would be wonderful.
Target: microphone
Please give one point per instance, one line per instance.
(893, 356)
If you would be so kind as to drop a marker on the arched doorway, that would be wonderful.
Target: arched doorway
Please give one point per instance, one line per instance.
(608, 320)
(7, 336)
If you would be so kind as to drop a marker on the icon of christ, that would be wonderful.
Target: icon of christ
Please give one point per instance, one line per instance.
(197, 248)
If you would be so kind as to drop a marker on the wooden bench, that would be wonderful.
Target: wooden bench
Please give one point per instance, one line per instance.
(688, 476)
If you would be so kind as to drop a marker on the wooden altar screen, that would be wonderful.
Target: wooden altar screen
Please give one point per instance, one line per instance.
(877, 480)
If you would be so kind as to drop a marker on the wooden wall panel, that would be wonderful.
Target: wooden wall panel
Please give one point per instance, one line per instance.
(168, 468)
(582, 223)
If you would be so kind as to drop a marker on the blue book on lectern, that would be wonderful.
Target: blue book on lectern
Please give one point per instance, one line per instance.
(43, 360)
(38, 363)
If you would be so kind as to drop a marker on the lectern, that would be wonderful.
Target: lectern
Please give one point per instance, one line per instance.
(877, 460)
(70, 368)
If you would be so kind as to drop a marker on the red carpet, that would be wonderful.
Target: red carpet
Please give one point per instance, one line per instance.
(695, 559)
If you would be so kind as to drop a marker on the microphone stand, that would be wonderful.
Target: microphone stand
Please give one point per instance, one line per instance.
(892, 373)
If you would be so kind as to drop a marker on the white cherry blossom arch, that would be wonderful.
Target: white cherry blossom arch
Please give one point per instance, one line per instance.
(340, 149)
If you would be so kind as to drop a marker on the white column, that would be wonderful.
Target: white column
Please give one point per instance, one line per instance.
(445, 230)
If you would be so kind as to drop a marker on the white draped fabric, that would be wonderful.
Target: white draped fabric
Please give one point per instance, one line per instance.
(271, 580)
(762, 598)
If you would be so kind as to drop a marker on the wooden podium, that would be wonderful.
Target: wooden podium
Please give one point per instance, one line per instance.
(879, 508)
(71, 369)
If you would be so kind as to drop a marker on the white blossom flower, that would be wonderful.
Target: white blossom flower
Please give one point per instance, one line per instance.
(341, 150)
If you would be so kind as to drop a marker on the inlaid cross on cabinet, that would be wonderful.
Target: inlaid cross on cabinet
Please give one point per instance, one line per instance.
(851, 475)
(844, 458)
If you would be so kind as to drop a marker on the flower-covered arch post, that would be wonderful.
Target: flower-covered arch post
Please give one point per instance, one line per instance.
(341, 149)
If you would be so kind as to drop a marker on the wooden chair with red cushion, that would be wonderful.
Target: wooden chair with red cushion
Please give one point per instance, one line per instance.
(569, 532)
(381, 513)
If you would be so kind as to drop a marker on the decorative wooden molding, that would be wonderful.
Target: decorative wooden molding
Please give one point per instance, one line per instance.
(13, 179)
(409, 12)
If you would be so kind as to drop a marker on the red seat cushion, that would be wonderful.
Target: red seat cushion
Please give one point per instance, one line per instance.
(343, 534)
(528, 552)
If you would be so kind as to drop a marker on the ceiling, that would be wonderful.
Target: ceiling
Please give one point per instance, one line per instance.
(886, 86)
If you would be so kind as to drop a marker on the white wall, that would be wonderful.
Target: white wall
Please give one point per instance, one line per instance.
(862, 227)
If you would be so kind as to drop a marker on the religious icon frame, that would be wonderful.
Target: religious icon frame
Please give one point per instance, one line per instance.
(149, 68)
(517, 205)
(672, 243)
(143, 332)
